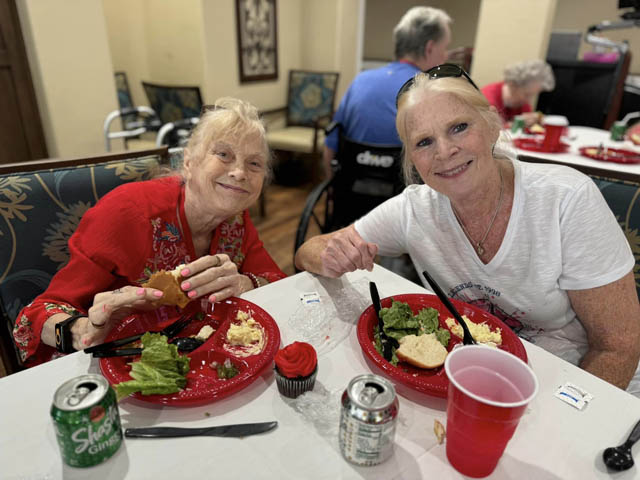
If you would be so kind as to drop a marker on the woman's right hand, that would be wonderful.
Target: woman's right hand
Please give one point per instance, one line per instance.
(108, 308)
(346, 251)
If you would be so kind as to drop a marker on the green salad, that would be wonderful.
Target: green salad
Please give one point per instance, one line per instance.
(399, 321)
(160, 370)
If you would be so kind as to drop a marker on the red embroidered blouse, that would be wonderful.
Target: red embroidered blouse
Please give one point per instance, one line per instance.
(132, 231)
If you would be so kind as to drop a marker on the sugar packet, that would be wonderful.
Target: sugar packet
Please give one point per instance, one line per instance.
(573, 395)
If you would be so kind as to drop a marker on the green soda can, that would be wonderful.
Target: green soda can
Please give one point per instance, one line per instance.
(618, 129)
(518, 124)
(86, 420)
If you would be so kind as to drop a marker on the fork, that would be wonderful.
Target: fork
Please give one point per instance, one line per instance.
(169, 331)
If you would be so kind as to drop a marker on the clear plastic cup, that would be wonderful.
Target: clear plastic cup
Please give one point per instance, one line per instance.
(489, 391)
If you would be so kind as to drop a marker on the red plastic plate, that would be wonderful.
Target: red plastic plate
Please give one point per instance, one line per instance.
(432, 382)
(536, 145)
(203, 385)
(606, 154)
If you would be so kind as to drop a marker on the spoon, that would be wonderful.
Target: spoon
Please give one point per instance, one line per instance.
(186, 344)
(619, 458)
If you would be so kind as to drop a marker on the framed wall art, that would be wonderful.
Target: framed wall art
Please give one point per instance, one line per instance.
(257, 40)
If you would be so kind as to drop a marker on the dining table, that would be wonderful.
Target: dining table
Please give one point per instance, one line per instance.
(554, 440)
(576, 138)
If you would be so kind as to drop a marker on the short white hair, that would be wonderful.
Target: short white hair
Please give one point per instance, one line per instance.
(416, 27)
(528, 71)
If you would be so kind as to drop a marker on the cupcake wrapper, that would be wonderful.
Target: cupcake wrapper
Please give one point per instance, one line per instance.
(294, 387)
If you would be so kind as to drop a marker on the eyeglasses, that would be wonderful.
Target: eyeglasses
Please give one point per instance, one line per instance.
(440, 71)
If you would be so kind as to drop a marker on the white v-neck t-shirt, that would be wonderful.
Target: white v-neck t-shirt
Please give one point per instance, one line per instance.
(561, 236)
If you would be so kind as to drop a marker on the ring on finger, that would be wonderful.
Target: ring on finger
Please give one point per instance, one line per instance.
(97, 326)
(218, 261)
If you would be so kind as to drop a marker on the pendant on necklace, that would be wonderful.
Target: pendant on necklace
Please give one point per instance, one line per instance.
(479, 249)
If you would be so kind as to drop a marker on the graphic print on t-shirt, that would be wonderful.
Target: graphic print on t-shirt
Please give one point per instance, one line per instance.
(483, 297)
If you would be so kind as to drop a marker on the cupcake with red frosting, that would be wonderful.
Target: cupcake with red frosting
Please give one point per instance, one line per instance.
(296, 369)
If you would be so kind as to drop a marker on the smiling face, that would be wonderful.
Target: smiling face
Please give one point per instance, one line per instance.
(228, 178)
(449, 143)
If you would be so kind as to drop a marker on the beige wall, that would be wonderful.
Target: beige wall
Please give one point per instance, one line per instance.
(125, 21)
(510, 31)
(382, 16)
(66, 43)
(578, 15)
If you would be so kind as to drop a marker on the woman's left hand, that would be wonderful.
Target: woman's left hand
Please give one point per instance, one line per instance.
(214, 275)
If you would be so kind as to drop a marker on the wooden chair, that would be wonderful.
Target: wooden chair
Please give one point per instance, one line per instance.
(41, 203)
(310, 104)
(621, 191)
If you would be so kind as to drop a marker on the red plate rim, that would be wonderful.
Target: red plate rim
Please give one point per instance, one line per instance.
(535, 145)
(431, 382)
(628, 156)
(113, 367)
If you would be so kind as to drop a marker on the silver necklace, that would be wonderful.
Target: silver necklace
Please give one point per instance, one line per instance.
(479, 247)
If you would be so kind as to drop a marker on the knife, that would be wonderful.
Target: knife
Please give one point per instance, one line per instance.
(384, 339)
(238, 430)
(123, 352)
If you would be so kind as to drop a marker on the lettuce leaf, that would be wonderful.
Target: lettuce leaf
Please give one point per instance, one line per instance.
(160, 370)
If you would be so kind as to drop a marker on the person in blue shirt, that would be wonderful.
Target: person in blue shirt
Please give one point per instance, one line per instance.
(367, 111)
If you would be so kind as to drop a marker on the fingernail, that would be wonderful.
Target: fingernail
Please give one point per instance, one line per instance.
(157, 293)
(185, 285)
(104, 307)
(185, 271)
(212, 298)
(85, 341)
(192, 294)
(140, 291)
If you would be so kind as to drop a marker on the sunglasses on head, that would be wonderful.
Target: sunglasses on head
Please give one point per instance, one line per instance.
(440, 71)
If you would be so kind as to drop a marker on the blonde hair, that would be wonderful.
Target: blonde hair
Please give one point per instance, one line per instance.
(227, 118)
(462, 90)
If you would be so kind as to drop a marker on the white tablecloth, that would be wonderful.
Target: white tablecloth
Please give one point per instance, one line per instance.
(553, 440)
(587, 137)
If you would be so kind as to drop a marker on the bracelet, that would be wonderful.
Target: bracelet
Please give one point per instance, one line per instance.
(254, 279)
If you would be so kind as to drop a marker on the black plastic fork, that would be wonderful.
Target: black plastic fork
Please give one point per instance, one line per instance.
(169, 331)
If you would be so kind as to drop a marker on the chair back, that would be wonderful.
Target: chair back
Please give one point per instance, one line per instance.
(366, 174)
(173, 103)
(125, 100)
(311, 97)
(587, 93)
(41, 203)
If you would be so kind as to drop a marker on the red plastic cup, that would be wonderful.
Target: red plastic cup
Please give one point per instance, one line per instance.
(554, 127)
(489, 391)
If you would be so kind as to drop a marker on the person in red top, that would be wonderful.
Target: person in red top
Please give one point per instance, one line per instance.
(522, 83)
(197, 218)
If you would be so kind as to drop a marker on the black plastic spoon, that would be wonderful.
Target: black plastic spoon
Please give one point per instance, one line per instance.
(186, 344)
(620, 458)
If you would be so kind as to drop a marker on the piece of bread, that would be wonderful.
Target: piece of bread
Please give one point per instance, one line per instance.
(169, 283)
(423, 351)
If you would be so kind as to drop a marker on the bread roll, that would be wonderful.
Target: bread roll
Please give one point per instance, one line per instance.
(169, 283)
(424, 351)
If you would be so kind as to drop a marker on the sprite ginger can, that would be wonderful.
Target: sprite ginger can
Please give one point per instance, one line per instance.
(86, 421)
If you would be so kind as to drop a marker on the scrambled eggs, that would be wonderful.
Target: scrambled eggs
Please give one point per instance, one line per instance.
(246, 337)
(481, 332)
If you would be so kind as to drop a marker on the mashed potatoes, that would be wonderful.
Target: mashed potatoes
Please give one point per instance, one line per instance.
(244, 337)
(481, 332)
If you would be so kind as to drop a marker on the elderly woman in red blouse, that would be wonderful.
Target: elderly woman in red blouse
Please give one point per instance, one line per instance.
(197, 218)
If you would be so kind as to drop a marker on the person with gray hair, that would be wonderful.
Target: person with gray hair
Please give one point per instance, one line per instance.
(367, 111)
(523, 81)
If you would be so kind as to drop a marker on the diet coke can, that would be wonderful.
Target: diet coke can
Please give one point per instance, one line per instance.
(368, 420)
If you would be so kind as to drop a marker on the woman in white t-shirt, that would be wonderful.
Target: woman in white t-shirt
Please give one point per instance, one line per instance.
(535, 245)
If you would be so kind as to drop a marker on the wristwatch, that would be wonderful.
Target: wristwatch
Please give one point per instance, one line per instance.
(64, 339)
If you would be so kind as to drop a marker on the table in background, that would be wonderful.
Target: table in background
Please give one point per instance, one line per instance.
(553, 441)
(586, 137)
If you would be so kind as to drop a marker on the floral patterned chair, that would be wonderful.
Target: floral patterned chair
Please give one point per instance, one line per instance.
(41, 203)
(309, 109)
